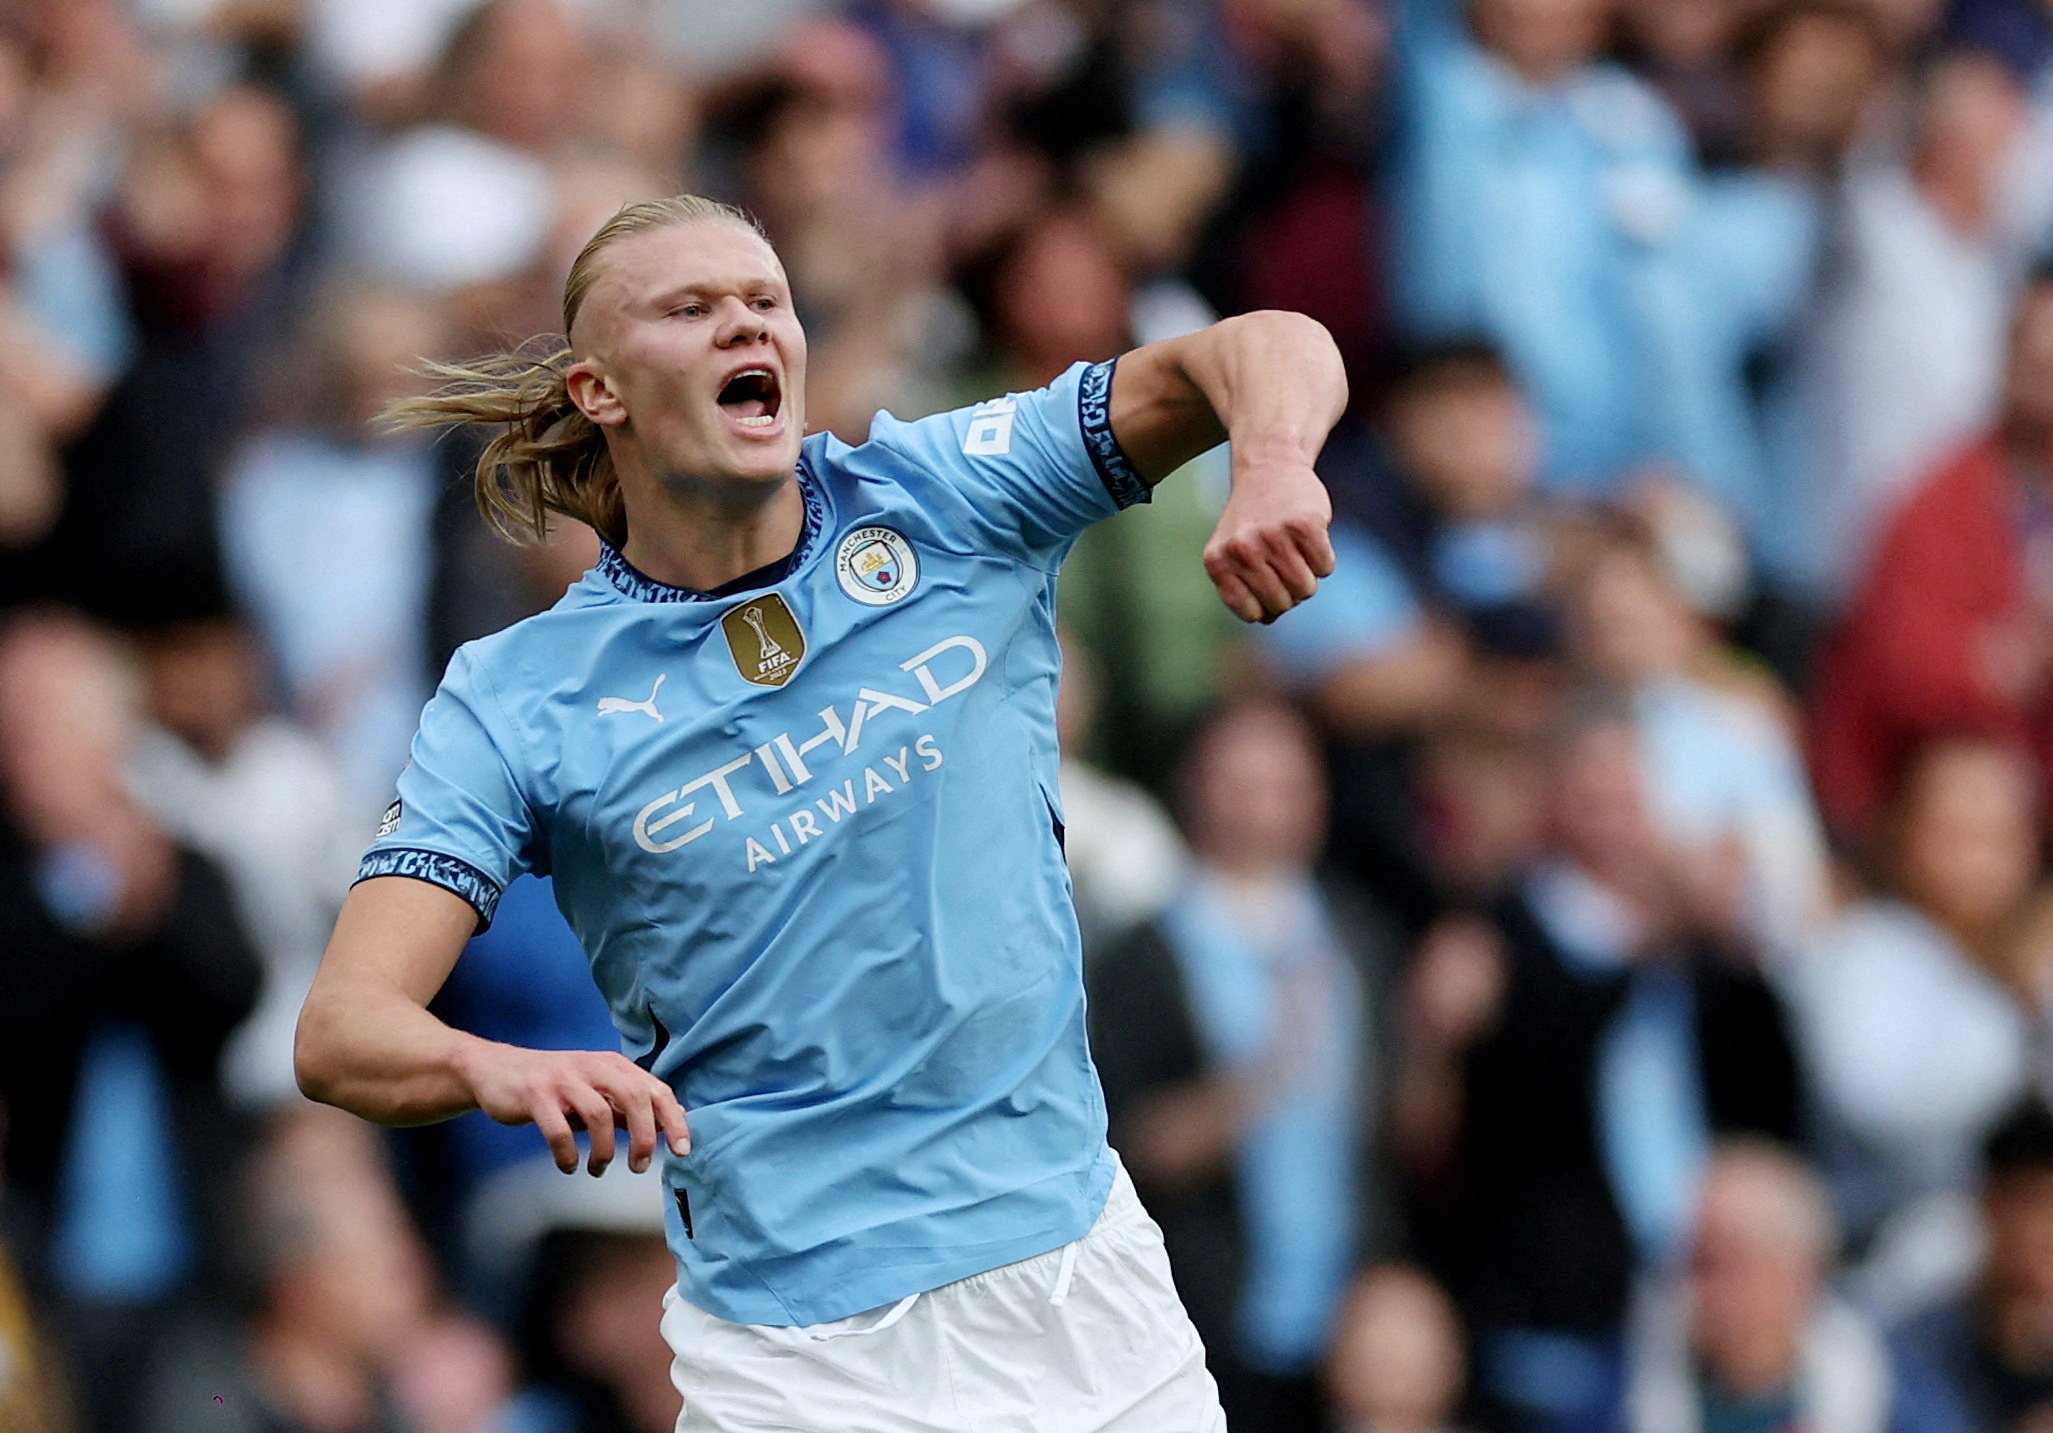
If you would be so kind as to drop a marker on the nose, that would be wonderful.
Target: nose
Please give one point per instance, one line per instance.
(739, 324)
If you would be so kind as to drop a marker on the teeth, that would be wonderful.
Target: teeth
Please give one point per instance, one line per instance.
(763, 421)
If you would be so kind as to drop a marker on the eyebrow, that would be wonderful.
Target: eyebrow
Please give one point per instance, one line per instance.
(664, 298)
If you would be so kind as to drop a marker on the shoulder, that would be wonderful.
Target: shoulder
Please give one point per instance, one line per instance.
(515, 669)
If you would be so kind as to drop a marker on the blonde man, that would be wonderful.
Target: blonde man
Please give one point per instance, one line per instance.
(789, 753)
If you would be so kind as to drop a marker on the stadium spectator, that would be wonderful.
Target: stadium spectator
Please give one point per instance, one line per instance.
(1724, 773)
(257, 796)
(1582, 1047)
(325, 523)
(340, 1310)
(1237, 1036)
(1440, 613)
(1950, 629)
(1125, 857)
(1548, 199)
(1399, 1363)
(126, 970)
(210, 229)
(597, 1270)
(1753, 1337)
(1900, 361)
(1992, 1341)
(1914, 1036)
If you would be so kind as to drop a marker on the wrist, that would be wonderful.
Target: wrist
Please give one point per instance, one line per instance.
(463, 1059)
(1276, 451)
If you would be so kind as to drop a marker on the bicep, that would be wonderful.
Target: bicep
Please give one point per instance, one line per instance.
(1159, 415)
(397, 934)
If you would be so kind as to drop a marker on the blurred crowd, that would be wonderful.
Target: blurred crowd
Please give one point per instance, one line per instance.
(1591, 969)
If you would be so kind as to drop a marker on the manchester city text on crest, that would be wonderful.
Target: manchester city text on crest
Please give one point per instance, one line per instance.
(764, 639)
(876, 566)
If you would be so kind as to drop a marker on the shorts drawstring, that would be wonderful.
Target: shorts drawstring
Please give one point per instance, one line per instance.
(898, 1311)
(1066, 1274)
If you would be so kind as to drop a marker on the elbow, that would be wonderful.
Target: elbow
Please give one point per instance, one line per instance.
(1297, 328)
(313, 1058)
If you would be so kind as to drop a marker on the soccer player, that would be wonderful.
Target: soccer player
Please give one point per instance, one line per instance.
(789, 753)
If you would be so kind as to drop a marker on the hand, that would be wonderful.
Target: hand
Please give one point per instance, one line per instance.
(1271, 547)
(561, 1091)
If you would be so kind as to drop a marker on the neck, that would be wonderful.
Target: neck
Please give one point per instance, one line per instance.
(692, 535)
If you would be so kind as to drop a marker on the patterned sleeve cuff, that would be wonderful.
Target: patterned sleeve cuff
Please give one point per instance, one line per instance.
(437, 869)
(1094, 411)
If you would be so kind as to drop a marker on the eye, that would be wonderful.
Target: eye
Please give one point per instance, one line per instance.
(763, 303)
(690, 308)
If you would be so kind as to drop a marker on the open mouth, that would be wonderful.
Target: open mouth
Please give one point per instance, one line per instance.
(752, 398)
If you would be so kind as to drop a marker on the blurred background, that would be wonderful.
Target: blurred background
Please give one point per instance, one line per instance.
(1591, 969)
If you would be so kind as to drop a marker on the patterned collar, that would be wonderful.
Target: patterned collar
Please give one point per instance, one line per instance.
(631, 581)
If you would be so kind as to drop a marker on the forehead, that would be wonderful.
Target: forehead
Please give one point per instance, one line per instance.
(707, 253)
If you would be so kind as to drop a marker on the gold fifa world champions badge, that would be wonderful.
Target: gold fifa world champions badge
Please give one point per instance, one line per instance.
(764, 638)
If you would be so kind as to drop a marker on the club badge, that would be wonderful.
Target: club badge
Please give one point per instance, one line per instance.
(876, 566)
(763, 637)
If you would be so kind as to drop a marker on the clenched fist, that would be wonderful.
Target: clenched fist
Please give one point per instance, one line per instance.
(1271, 545)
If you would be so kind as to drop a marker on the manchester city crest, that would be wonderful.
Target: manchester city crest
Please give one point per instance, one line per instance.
(876, 566)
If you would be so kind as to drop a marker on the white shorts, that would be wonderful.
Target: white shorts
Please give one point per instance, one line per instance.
(1088, 1338)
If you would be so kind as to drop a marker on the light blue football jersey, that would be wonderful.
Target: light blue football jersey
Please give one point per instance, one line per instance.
(810, 837)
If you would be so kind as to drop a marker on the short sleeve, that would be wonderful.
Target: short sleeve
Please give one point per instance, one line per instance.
(460, 819)
(1034, 469)
(1364, 610)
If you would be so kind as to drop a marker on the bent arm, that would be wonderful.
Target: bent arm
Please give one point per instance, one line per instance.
(1273, 385)
(1271, 382)
(367, 1042)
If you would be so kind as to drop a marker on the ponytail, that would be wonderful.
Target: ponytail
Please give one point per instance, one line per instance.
(546, 456)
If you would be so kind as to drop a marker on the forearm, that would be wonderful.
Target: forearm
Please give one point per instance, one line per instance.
(1274, 383)
(379, 1054)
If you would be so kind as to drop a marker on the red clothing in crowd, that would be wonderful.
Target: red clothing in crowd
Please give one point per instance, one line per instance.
(1910, 660)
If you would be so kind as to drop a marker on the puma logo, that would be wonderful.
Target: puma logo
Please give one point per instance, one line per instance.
(609, 705)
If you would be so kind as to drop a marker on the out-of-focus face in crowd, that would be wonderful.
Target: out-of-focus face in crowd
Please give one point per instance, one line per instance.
(2028, 387)
(1600, 813)
(1464, 437)
(1544, 40)
(1630, 625)
(336, 1259)
(1061, 295)
(2017, 1209)
(1970, 116)
(1965, 836)
(68, 713)
(1764, 1242)
(602, 1328)
(1397, 1361)
(1811, 76)
(514, 71)
(1255, 792)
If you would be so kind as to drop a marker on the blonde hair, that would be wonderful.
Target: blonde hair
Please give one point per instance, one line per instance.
(546, 456)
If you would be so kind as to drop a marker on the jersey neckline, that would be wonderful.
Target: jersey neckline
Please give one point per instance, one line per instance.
(630, 581)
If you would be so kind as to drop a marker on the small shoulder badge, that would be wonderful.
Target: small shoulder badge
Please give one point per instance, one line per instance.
(764, 640)
(876, 566)
(389, 822)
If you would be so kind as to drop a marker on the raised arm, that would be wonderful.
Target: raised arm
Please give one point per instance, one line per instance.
(1272, 384)
(367, 1042)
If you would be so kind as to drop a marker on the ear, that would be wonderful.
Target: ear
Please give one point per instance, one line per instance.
(593, 394)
